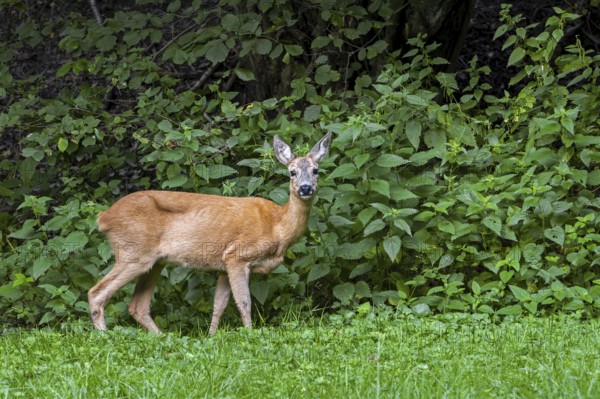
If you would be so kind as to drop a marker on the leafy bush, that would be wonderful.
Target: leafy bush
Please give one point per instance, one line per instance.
(436, 198)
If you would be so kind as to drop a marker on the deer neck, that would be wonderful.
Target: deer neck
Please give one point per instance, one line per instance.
(294, 219)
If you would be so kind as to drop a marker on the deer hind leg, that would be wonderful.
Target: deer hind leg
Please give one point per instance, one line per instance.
(239, 279)
(222, 294)
(122, 273)
(139, 307)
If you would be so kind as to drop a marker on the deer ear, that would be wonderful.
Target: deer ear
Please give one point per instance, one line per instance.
(320, 150)
(283, 151)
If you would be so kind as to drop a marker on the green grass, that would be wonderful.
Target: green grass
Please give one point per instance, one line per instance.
(362, 357)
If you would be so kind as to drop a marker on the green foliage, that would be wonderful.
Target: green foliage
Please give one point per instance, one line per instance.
(435, 198)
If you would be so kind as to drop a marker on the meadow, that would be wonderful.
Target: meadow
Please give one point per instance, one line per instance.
(358, 356)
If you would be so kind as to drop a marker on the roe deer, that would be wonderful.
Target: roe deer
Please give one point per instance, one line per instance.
(236, 236)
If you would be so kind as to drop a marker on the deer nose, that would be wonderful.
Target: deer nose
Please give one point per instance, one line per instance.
(305, 190)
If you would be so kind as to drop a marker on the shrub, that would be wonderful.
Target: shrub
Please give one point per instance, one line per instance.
(436, 198)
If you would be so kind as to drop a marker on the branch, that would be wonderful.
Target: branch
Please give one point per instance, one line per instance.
(96, 12)
(204, 77)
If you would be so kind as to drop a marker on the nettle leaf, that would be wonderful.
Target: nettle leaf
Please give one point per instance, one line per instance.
(392, 245)
(361, 269)
(177, 181)
(219, 171)
(361, 159)
(520, 293)
(493, 223)
(375, 226)
(106, 43)
(391, 160)
(312, 113)
(41, 265)
(342, 171)
(366, 214)
(76, 240)
(403, 225)
(338, 220)
(510, 310)
(446, 226)
(355, 250)
(317, 271)
(402, 194)
(260, 290)
(556, 234)
(413, 129)
(344, 292)
(516, 56)
(381, 186)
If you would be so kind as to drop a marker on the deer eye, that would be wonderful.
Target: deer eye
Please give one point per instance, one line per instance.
(315, 171)
(293, 173)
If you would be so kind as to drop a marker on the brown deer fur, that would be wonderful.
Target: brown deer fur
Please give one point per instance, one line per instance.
(235, 236)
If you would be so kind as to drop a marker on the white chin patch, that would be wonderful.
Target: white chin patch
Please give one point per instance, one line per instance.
(305, 197)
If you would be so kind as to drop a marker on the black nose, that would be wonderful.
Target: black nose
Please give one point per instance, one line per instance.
(305, 190)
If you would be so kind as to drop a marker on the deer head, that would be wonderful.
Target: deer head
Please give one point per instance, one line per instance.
(304, 171)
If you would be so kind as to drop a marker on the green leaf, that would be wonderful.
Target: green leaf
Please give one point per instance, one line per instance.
(26, 231)
(317, 271)
(355, 250)
(293, 49)
(510, 310)
(40, 266)
(63, 144)
(254, 183)
(403, 225)
(391, 160)
(413, 129)
(165, 126)
(218, 171)
(106, 43)
(177, 181)
(263, 46)
(375, 226)
(260, 290)
(34, 153)
(361, 269)
(343, 170)
(76, 240)
(216, 51)
(344, 292)
(312, 113)
(520, 293)
(338, 220)
(446, 226)
(319, 42)
(556, 234)
(505, 276)
(417, 100)
(366, 214)
(381, 186)
(325, 74)
(392, 245)
(244, 74)
(493, 223)
(517, 55)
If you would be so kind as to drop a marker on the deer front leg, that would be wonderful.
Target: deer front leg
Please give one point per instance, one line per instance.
(222, 294)
(239, 279)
